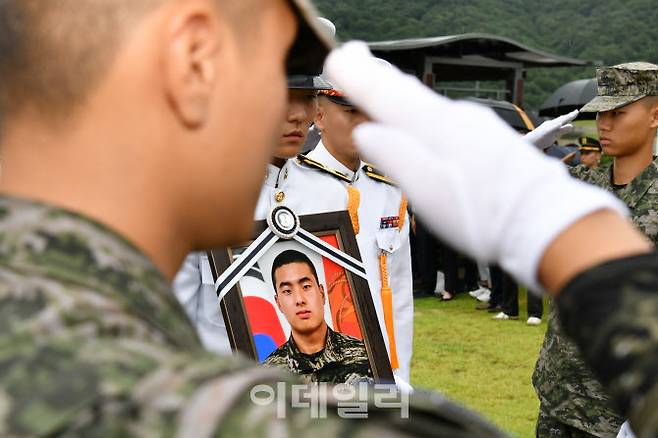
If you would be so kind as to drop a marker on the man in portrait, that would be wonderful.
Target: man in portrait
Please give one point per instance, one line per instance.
(314, 350)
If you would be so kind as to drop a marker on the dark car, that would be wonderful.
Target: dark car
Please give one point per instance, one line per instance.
(510, 113)
(521, 122)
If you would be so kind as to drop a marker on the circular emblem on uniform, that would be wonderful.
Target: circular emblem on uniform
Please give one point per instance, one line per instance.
(279, 197)
(283, 222)
(369, 169)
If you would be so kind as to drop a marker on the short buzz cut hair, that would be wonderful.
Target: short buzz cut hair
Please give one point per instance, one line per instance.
(292, 256)
(53, 52)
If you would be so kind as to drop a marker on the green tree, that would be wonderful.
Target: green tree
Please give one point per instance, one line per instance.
(604, 31)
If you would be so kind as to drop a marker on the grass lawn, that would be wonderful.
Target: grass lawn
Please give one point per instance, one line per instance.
(486, 365)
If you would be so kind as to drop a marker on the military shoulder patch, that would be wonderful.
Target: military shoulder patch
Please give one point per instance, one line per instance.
(303, 159)
(377, 175)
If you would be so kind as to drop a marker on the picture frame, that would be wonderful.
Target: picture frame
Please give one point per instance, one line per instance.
(246, 297)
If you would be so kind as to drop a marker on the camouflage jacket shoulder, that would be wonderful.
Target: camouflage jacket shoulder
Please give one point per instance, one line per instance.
(93, 343)
(344, 359)
(640, 195)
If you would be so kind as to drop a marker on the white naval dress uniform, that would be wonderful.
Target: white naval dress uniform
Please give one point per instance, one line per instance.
(378, 213)
(308, 191)
(194, 285)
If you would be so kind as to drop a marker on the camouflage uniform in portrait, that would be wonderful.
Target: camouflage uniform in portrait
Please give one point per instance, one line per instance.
(572, 400)
(343, 360)
(94, 343)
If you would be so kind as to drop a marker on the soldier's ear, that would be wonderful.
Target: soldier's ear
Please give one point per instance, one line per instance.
(320, 115)
(322, 292)
(654, 113)
(189, 60)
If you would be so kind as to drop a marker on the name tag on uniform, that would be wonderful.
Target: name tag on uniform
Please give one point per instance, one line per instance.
(389, 222)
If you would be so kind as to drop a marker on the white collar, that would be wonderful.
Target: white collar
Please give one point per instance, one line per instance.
(322, 155)
(275, 174)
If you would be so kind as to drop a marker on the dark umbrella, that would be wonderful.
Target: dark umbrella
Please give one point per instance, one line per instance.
(571, 96)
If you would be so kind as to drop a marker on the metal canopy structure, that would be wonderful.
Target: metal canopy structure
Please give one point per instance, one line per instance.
(470, 57)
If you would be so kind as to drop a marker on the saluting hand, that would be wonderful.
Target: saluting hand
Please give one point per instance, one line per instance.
(548, 132)
(470, 177)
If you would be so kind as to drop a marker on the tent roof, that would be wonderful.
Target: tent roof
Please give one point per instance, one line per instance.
(478, 44)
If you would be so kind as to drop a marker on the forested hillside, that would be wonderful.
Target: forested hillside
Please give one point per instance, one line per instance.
(601, 30)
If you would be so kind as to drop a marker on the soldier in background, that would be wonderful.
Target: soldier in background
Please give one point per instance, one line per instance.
(571, 398)
(334, 176)
(314, 351)
(590, 152)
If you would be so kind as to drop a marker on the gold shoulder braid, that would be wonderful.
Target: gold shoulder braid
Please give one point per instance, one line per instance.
(353, 195)
(375, 174)
(303, 159)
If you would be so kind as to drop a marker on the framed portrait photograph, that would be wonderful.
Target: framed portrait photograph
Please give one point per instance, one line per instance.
(296, 296)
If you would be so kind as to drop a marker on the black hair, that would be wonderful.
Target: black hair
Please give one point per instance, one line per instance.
(292, 256)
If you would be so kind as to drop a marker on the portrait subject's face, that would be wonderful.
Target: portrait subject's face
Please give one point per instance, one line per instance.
(299, 297)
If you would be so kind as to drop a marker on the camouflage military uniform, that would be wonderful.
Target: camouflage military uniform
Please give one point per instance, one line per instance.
(342, 360)
(610, 311)
(623, 84)
(93, 343)
(572, 401)
(567, 390)
(640, 195)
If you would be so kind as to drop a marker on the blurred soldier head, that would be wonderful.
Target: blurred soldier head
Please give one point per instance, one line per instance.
(590, 151)
(299, 295)
(138, 112)
(336, 119)
(627, 107)
(303, 87)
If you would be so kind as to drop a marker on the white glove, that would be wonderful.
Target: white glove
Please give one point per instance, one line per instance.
(549, 131)
(403, 385)
(470, 176)
(625, 431)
